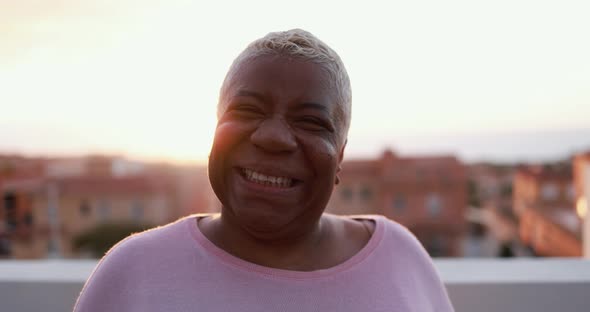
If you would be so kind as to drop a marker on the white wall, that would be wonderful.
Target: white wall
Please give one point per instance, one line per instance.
(524, 285)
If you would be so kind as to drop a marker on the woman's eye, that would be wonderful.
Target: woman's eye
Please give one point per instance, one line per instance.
(313, 124)
(247, 111)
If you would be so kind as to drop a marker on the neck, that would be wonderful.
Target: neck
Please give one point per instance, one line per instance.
(283, 249)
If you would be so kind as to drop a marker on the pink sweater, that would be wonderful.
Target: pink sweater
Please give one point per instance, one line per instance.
(175, 268)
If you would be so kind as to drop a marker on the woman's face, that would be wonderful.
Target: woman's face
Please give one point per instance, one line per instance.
(277, 148)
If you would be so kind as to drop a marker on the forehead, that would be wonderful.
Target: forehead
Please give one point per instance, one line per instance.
(282, 78)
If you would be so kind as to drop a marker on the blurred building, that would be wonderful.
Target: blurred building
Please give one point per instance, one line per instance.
(582, 186)
(544, 203)
(543, 186)
(48, 214)
(15, 167)
(493, 228)
(428, 195)
(43, 210)
(195, 194)
(94, 165)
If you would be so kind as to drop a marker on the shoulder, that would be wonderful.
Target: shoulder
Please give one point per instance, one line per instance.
(384, 228)
(401, 249)
(397, 246)
(150, 241)
(351, 226)
(390, 238)
(347, 236)
(127, 264)
(400, 235)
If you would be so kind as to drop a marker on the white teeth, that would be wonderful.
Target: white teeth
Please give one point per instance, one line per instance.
(263, 179)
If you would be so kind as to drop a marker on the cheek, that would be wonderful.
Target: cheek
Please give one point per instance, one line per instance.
(324, 156)
(226, 136)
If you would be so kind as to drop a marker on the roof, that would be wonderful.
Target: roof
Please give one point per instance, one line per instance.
(392, 167)
(110, 185)
(584, 155)
(557, 172)
(360, 166)
(90, 185)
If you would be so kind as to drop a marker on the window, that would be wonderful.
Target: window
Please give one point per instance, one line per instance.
(506, 190)
(84, 208)
(10, 211)
(399, 204)
(366, 193)
(476, 229)
(28, 219)
(104, 210)
(52, 249)
(549, 191)
(346, 193)
(52, 212)
(4, 246)
(9, 201)
(137, 210)
(433, 205)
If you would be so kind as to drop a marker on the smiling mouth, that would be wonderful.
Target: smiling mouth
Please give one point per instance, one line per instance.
(267, 180)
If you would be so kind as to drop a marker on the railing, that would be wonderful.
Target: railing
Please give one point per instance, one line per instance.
(525, 285)
(474, 285)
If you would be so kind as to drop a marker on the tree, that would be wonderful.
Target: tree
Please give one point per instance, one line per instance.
(98, 240)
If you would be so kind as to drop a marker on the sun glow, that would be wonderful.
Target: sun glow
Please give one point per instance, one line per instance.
(582, 207)
(142, 77)
(113, 93)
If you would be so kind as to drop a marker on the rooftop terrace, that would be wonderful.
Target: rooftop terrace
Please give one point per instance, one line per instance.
(482, 285)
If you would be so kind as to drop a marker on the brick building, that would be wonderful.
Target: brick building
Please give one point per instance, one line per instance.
(493, 226)
(49, 213)
(543, 187)
(581, 166)
(45, 204)
(543, 200)
(15, 167)
(428, 195)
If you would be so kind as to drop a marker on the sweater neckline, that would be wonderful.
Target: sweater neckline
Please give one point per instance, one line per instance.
(241, 264)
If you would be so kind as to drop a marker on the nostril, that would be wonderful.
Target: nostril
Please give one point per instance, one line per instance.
(274, 135)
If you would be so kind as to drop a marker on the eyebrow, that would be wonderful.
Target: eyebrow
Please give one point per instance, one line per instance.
(253, 94)
(315, 106)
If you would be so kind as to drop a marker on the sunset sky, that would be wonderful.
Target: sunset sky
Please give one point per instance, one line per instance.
(502, 80)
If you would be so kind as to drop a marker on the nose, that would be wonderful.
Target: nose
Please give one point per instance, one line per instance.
(274, 135)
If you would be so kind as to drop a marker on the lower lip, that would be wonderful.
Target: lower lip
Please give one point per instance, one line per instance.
(265, 188)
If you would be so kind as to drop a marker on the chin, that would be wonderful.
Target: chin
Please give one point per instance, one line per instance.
(263, 222)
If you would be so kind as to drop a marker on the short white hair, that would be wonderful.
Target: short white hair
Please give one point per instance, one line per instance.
(300, 44)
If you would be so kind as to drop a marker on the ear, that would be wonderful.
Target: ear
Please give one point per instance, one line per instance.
(341, 153)
(340, 158)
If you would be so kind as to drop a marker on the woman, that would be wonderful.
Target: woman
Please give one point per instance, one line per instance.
(283, 117)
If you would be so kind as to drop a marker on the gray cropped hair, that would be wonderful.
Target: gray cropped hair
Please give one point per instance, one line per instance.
(300, 44)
